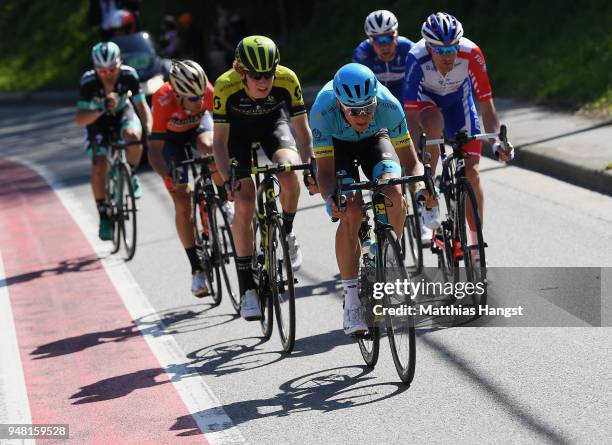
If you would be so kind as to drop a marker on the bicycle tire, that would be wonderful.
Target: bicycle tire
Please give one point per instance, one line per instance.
(400, 328)
(281, 283)
(369, 343)
(472, 274)
(212, 256)
(227, 255)
(412, 232)
(265, 299)
(114, 191)
(127, 215)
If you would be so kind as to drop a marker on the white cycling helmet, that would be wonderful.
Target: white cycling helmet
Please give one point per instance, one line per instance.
(187, 78)
(380, 22)
(106, 55)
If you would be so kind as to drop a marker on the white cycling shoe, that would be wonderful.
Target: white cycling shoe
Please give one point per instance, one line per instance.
(295, 253)
(354, 320)
(430, 218)
(426, 235)
(199, 285)
(249, 306)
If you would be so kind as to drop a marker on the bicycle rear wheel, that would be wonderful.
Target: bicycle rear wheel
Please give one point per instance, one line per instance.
(369, 343)
(400, 326)
(475, 268)
(412, 246)
(265, 297)
(281, 283)
(225, 254)
(127, 215)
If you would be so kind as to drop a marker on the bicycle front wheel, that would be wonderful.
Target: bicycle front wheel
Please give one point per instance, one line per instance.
(400, 322)
(261, 275)
(369, 343)
(127, 215)
(412, 246)
(114, 192)
(225, 254)
(475, 268)
(281, 283)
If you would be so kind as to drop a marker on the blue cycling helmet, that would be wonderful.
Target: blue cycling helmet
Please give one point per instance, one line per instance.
(442, 29)
(355, 84)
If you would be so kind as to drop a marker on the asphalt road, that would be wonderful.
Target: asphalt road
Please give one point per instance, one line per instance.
(531, 384)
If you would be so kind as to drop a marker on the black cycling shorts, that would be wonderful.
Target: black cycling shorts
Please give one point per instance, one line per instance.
(376, 155)
(271, 139)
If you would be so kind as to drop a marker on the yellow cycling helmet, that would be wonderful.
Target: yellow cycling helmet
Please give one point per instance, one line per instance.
(257, 54)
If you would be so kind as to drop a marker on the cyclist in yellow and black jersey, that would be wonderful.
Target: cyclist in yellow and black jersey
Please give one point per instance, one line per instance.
(259, 100)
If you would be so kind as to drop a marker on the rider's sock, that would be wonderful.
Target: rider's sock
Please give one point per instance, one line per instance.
(192, 254)
(288, 220)
(351, 294)
(245, 273)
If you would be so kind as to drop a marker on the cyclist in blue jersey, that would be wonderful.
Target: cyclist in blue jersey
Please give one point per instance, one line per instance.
(384, 51)
(357, 119)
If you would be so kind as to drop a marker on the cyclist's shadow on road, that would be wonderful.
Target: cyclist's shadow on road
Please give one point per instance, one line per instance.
(327, 390)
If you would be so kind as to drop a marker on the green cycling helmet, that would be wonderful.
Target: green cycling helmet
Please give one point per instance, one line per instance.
(257, 54)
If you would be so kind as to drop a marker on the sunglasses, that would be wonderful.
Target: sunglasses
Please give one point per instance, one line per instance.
(259, 76)
(106, 71)
(443, 50)
(383, 39)
(364, 109)
(190, 98)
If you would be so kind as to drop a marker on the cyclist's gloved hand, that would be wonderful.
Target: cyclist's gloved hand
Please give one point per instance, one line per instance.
(111, 101)
(503, 151)
(310, 178)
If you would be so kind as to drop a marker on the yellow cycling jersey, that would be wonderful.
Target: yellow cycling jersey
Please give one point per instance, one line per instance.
(233, 104)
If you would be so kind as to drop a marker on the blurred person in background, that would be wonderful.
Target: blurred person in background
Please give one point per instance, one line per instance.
(169, 40)
(101, 12)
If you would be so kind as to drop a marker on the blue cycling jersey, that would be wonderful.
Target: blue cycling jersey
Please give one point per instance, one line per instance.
(327, 121)
(391, 74)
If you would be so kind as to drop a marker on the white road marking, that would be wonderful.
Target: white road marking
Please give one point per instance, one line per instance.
(14, 403)
(200, 400)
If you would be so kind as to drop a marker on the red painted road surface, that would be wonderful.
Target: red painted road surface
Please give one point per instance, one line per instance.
(84, 361)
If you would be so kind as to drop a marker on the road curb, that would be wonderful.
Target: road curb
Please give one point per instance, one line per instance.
(596, 180)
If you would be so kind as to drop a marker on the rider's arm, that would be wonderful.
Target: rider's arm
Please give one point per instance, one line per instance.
(221, 134)
(477, 68)
(89, 107)
(144, 112)
(400, 137)
(326, 176)
(410, 97)
(323, 148)
(156, 158)
(490, 121)
(303, 136)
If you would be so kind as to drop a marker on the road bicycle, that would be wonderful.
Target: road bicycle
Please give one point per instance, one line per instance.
(460, 258)
(213, 235)
(385, 265)
(119, 193)
(271, 266)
